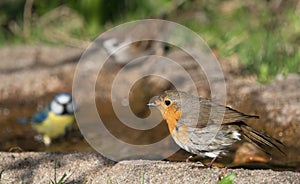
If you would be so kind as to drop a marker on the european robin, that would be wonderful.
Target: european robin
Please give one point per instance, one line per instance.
(205, 128)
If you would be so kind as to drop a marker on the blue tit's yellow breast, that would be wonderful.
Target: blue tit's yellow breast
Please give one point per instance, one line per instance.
(54, 125)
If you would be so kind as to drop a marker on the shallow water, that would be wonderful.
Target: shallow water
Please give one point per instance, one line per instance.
(15, 136)
(18, 136)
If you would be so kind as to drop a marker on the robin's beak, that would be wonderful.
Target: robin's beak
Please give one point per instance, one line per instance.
(153, 102)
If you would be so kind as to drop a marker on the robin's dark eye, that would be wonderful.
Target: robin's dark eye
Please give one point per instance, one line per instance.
(167, 102)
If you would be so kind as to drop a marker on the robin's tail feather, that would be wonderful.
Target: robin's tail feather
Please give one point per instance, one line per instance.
(261, 140)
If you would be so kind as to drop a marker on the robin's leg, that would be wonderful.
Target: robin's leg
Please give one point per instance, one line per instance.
(211, 163)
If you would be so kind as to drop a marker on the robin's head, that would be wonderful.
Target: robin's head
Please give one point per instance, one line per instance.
(166, 101)
(175, 105)
(169, 105)
(173, 101)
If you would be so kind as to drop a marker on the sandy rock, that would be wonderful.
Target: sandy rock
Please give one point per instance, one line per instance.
(93, 168)
(36, 70)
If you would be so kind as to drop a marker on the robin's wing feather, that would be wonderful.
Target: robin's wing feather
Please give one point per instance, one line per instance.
(216, 113)
(206, 111)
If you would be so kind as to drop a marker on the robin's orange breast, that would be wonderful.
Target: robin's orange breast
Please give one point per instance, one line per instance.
(172, 115)
(179, 132)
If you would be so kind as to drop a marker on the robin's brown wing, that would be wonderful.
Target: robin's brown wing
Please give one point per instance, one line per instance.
(205, 111)
(212, 113)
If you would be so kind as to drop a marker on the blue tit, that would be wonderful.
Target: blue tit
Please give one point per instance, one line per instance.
(56, 119)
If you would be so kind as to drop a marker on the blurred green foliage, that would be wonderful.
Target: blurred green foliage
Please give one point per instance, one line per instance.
(82, 19)
(264, 35)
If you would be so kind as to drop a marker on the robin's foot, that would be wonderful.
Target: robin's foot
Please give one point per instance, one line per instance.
(188, 159)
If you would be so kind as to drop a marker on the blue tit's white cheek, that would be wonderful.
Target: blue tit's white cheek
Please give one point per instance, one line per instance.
(70, 108)
(56, 107)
